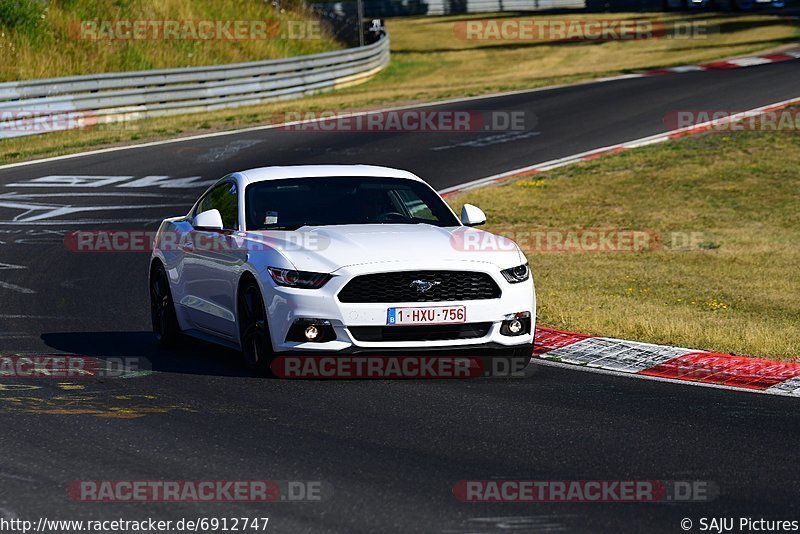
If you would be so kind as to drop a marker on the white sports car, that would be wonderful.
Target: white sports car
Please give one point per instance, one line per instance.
(342, 259)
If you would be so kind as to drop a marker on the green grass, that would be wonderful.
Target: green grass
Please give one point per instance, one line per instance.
(39, 39)
(429, 57)
(735, 291)
(428, 63)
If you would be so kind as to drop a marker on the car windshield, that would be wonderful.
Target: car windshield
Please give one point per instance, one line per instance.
(291, 203)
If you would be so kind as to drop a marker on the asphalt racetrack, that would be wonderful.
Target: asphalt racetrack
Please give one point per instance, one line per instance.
(390, 451)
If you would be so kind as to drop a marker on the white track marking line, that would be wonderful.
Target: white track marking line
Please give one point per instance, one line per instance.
(32, 213)
(14, 287)
(70, 222)
(84, 181)
(18, 289)
(27, 196)
(71, 180)
(18, 316)
(14, 477)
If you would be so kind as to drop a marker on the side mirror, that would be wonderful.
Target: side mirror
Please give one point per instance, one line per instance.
(208, 220)
(472, 215)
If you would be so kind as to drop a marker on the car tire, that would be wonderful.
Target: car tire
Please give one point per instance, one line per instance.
(254, 337)
(162, 308)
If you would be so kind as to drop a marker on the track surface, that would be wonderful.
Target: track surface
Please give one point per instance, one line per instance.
(390, 450)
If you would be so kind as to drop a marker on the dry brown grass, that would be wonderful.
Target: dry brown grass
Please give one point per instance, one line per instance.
(735, 292)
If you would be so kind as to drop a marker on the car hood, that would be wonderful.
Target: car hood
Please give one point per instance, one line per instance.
(328, 248)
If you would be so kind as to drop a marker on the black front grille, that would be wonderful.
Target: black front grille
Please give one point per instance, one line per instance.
(436, 332)
(401, 287)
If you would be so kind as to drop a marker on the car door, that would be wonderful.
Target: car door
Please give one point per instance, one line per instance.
(214, 262)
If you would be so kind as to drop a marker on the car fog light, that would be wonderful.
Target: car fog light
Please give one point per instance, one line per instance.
(311, 332)
(516, 324)
(308, 330)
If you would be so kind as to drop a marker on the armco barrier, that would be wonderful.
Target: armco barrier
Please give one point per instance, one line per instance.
(444, 7)
(74, 101)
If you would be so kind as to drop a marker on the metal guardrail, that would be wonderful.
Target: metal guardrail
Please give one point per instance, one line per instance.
(446, 7)
(53, 104)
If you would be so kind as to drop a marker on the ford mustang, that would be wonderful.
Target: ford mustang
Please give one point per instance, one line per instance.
(338, 259)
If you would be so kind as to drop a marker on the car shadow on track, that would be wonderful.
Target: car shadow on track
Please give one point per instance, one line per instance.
(193, 356)
(140, 352)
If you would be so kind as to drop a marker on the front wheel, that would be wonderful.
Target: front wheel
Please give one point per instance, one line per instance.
(162, 308)
(253, 330)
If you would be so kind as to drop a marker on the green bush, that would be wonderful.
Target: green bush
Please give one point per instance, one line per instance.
(22, 15)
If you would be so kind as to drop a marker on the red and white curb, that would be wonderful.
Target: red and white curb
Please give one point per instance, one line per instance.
(730, 63)
(613, 149)
(668, 363)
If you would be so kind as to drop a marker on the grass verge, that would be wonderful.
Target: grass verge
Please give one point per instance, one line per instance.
(57, 38)
(723, 212)
(429, 62)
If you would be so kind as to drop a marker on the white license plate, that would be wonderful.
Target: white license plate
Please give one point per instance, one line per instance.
(430, 315)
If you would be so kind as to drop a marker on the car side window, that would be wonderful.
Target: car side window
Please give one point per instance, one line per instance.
(414, 205)
(224, 198)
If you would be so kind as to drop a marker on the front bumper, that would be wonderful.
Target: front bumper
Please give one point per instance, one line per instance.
(286, 305)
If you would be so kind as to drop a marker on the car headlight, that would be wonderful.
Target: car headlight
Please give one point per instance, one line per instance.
(515, 275)
(300, 279)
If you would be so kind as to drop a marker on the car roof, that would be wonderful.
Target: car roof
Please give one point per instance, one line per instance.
(315, 171)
